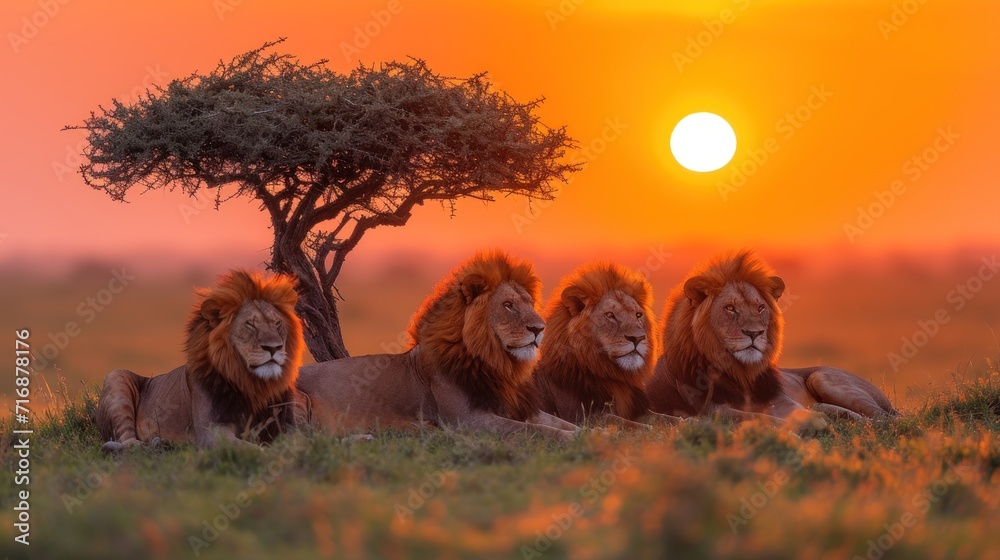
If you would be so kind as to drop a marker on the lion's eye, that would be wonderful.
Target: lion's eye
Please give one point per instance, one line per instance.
(250, 325)
(731, 309)
(508, 305)
(638, 315)
(760, 309)
(610, 315)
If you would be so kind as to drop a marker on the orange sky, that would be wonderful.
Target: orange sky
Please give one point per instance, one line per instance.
(892, 86)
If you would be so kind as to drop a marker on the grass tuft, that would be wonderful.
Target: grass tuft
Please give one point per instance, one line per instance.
(975, 401)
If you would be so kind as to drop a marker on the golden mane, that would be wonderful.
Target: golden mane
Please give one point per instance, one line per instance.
(210, 355)
(571, 359)
(458, 311)
(692, 350)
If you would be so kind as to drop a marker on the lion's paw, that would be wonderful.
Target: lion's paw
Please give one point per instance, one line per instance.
(117, 447)
(112, 448)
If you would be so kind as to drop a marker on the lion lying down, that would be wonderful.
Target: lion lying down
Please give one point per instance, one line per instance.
(599, 347)
(244, 346)
(474, 341)
(722, 333)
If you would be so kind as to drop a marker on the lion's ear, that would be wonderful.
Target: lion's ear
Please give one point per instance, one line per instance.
(212, 312)
(574, 299)
(777, 286)
(696, 289)
(472, 286)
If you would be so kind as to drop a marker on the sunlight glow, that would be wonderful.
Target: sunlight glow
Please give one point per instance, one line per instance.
(703, 142)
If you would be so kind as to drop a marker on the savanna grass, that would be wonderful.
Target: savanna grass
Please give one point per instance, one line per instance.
(920, 486)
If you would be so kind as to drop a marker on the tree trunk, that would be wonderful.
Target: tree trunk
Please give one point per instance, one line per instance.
(322, 322)
(316, 307)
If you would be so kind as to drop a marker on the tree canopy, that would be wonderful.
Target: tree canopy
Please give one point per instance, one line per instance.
(329, 155)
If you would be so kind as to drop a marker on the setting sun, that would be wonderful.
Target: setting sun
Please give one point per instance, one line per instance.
(703, 142)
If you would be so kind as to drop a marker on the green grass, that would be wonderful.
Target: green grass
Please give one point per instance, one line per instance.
(925, 484)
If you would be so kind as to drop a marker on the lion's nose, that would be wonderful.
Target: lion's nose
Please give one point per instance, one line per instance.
(635, 340)
(535, 330)
(752, 334)
(272, 349)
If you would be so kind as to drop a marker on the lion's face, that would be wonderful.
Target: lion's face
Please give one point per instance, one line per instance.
(740, 316)
(514, 321)
(745, 321)
(621, 329)
(600, 327)
(246, 331)
(258, 336)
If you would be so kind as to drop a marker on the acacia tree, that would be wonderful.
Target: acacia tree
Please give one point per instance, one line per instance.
(329, 155)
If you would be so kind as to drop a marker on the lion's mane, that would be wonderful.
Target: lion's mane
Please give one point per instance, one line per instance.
(572, 360)
(479, 365)
(695, 367)
(212, 361)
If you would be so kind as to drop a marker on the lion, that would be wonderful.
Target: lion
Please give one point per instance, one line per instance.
(472, 346)
(244, 346)
(600, 346)
(722, 335)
